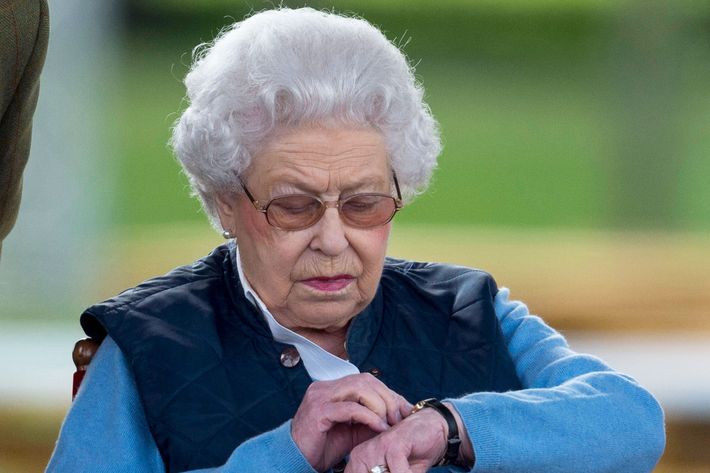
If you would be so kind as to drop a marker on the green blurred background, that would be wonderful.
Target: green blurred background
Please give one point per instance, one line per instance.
(576, 163)
(582, 113)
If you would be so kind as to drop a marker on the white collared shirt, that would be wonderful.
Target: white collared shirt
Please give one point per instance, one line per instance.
(320, 364)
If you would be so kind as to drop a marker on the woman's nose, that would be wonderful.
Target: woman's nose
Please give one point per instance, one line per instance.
(329, 237)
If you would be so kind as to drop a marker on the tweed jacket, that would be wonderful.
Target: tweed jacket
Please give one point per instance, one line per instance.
(24, 31)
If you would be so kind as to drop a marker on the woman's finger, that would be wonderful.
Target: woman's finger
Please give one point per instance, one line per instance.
(352, 412)
(360, 389)
(405, 408)
(397, 407)
(373, 394)
(396, 460)
(384, 449)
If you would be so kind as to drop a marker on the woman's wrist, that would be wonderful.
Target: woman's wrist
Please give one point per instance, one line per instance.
(466, 454)
(440, 431)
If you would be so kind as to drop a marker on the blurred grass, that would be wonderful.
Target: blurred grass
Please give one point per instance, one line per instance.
(507, 6)
(524, 92)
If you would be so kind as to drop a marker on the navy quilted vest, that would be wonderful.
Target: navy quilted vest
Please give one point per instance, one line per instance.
(209, 374)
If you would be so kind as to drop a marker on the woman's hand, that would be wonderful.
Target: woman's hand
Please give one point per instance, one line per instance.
(335, 416)
(412, 446)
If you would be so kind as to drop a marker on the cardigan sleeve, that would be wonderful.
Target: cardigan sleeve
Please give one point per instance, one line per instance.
(106, 430)
(574, 413)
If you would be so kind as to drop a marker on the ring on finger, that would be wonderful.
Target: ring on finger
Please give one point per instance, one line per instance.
(379, 469)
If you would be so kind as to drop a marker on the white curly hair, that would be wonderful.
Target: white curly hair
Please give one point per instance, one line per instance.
(284, 68)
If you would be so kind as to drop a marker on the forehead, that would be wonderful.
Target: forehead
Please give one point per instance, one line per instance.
(323, 158)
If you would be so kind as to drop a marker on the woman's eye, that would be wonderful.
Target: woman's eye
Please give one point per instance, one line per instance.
(360, 205)
(295, 210)
(296, 205)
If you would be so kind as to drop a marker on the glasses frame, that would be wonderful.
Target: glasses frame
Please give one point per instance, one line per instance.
(325, 204)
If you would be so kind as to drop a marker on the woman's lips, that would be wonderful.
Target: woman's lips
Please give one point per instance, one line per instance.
(329, 284)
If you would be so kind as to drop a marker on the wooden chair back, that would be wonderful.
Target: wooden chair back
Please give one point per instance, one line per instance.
(84, 351)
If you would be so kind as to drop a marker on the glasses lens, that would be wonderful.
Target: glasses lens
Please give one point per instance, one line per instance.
(368, 210)
(293, 212)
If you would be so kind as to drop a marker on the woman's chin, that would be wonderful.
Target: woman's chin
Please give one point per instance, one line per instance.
(328, 315)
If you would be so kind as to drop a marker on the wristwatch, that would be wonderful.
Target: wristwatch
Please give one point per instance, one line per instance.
(453, 441)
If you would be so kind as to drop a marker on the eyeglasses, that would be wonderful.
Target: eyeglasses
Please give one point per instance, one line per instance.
(300, 211)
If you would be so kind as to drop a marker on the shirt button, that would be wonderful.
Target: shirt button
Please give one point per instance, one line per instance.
(290, 357)
(375, 372)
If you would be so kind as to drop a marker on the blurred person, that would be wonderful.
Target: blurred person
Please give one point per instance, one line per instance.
(298, 346)
(24, 32)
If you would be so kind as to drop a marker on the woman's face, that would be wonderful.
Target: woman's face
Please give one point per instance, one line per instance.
(320, 277)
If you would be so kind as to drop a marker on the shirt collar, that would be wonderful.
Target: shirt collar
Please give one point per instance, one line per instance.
(320, 364)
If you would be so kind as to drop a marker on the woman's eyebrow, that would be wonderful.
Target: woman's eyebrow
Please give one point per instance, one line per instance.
(371, 182)
(292, 182)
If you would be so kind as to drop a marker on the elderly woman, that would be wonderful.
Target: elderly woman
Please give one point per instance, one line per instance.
(299, 346)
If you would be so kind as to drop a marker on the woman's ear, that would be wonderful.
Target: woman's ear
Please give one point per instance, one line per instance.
(227, 210)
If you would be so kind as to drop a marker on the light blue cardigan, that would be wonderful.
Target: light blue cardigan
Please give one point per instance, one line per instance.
(575, 415)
